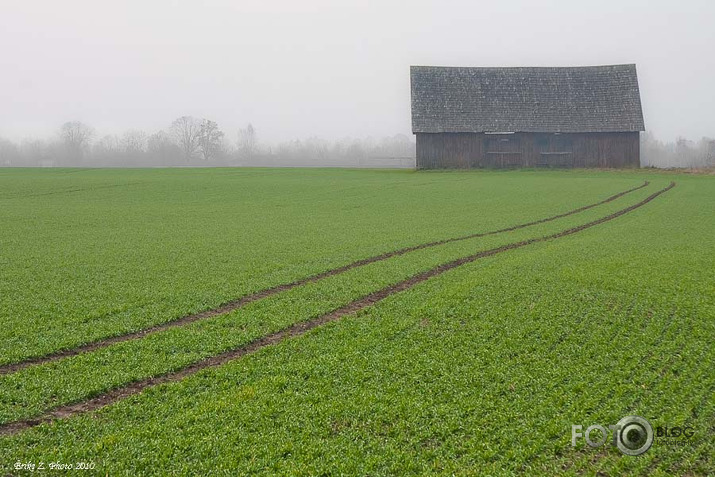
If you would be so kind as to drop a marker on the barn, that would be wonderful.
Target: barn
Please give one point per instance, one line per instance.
(526, 117)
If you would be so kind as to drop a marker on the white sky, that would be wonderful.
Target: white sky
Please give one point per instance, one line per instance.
(326, 68)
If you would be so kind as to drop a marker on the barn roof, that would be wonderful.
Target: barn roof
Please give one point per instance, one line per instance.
(573, 99)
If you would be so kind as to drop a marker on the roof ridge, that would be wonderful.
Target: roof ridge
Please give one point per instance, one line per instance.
(526, 67)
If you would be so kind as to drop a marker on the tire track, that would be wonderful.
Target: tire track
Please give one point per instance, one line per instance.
(68, 191)
(297, 329)
(245, 300)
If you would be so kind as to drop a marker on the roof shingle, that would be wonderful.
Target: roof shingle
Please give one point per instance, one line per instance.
(572, 99)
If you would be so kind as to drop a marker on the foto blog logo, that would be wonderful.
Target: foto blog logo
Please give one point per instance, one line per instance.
(633, 435)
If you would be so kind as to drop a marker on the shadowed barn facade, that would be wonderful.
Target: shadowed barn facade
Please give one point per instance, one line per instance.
(526, 117)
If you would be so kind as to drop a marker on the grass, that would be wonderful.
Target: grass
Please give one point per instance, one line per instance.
(481, 370)
(103, 252)
(29, 392)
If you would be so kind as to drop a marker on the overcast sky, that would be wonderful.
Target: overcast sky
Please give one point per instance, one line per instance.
(299, 68)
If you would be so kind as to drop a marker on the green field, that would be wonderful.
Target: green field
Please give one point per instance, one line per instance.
(481, 369)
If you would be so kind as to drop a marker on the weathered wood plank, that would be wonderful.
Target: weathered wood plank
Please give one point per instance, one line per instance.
(476, 150)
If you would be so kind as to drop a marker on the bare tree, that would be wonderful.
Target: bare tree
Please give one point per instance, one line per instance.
(681, 153)
(41, 153)
(162, 149)
(134, 142)
(210, 137)
(187, 131)
(107, 150)
(76, 137)
(108, 144)
(9, 153)
(247, 142)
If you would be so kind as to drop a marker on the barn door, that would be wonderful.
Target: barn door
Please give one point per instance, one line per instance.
(555, 150)
(503, 150)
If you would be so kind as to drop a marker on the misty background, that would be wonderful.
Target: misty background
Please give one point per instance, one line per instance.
(315, 82)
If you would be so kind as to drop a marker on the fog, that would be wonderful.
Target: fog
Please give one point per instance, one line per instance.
(326, 73)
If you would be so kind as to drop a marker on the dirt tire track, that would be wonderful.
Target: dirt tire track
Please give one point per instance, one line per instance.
(297, 329)
(243, 301)
(68, 191)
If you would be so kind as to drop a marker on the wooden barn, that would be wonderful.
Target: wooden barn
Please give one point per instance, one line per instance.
(526, 117)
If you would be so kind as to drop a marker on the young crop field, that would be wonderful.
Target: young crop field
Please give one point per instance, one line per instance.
(355, 322)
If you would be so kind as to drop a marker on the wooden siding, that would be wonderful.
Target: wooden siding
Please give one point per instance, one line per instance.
(478, 150)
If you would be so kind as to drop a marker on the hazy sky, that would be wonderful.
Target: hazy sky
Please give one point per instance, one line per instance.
(298, 68)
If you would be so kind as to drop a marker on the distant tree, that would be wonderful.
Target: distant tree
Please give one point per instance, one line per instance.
(395, 146)
(356, 151)
(41, 153)
(710, 151)
(186, 130)
(162, 149)
(107, 150)
(107, 145)
(134, 142)
(247, 141)
(681, 153)
(76, 137)
(9, 153)
(210, 139)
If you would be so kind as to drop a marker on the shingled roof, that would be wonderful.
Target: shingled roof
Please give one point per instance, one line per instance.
(573, 99)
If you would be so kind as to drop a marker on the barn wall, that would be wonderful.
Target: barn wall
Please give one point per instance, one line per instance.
(449, 151)
(477, 150)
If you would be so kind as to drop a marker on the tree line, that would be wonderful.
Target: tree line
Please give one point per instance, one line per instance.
(190, 141)
(683, 153)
